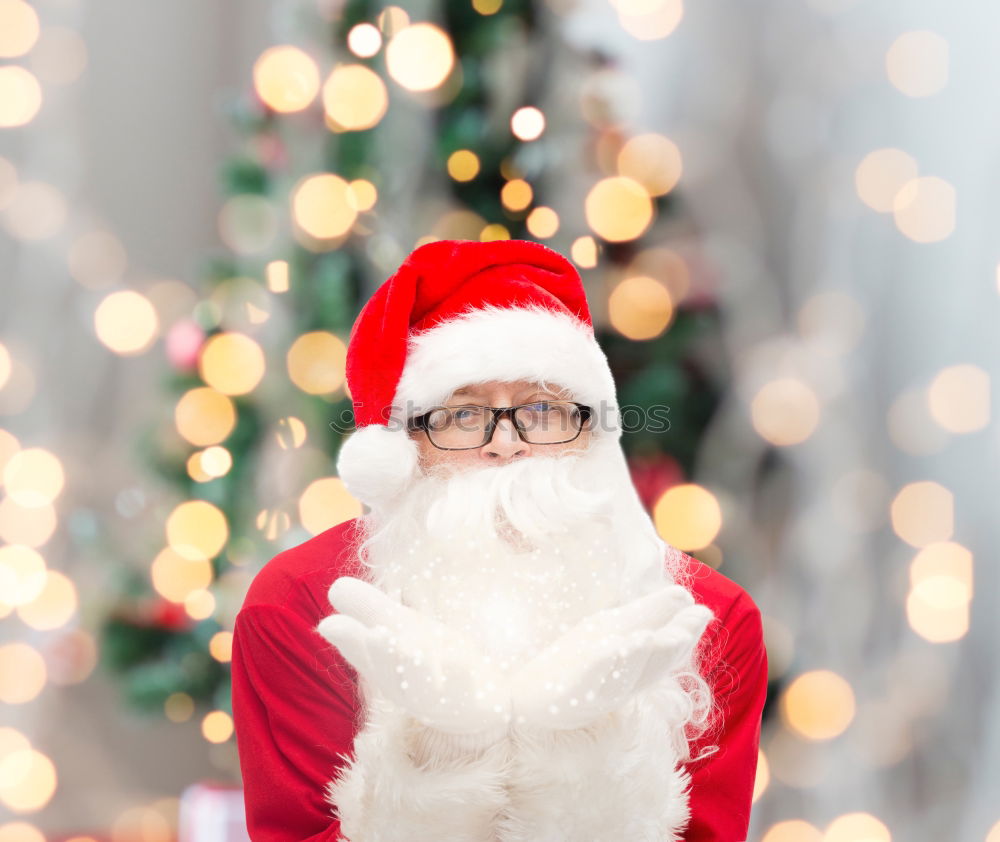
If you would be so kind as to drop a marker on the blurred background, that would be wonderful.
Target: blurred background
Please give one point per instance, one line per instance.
(787, 216)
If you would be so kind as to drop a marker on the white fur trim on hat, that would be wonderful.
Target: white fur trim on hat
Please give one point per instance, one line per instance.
(508, 343)
(377, 462)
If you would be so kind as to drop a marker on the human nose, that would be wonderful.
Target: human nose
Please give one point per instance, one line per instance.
(505, 443)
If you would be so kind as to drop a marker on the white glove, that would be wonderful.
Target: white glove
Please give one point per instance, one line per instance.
(600, 663)
(433, 672)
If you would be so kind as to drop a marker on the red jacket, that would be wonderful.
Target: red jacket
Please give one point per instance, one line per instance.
(294, 698)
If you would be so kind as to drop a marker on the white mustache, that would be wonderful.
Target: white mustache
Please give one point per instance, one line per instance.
(539, 497)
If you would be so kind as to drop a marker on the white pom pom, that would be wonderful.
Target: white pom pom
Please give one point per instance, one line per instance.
(376, 463)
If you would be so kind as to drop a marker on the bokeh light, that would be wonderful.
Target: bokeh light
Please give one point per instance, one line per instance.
(286, 79)
(463, 165)
(881, 175)
(38, 210)
(221, 646)
(31, 526)
(819, 705)
(959, 398)
(648, 20)
(33, 477)
(200, 604)
(277, 276)
(60, 56)
(22, 575)
(640, 308)
(291, 433)
(857, 827)
(20, 96)
(420, 57)
(231, 363)
(937, 608)
(27, 781)
(494, 231)
(316, 362)
(54, 606)
(924, 209)
(653, 161)
(917, 63)
(618, 209)
(18, 28)
(527, 123)
(323, 206)
(325, 503)
(197, 529)
(176, 577)
(354, 98)
(204, 416)
(793, 830)
(22, 674)
(217, 726)
(178, 707)
(364, 40)
(70, 657)
(785, 411)
(20, 832)
(687, 516)
(362, 194)
(923, 512)
(762, 778)
(584, 252)
(5, 366)
(542, 222)
(126, 322)
(516, 194)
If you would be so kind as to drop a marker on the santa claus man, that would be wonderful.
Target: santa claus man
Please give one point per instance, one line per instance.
(502, 647)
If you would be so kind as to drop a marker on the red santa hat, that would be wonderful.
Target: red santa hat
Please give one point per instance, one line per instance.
(459, 312)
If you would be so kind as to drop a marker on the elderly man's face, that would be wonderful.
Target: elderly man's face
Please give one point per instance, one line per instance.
(505, 445)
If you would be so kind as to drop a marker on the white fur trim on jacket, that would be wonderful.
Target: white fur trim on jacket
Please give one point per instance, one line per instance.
(507, 343)
(401, 786)
(617, 780)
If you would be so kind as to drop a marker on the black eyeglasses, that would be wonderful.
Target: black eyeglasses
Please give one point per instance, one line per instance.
(468, 427)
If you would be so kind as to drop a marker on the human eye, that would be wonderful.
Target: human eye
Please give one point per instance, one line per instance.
(465, 413)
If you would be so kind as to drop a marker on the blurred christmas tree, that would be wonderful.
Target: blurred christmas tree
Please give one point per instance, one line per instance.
(330, 188)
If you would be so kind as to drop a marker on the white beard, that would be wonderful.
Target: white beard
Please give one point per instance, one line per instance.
(514, 555)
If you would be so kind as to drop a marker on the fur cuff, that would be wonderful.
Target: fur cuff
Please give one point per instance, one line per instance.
(615, 780)
(403, 786)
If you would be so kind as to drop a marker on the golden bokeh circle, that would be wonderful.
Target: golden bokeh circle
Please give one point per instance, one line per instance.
(687, 516)
(316, 362)
(197, 529)
(22, 673)
(126, 322)
(354, 97)
(231, 363)
(286, 79)
(325, 503)
(640, 308)
(175, 577)
(420, 57)
(20, 96)
(618, 209)
(323, 206)
(33, 477)
(204, 416)
(818, 705)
